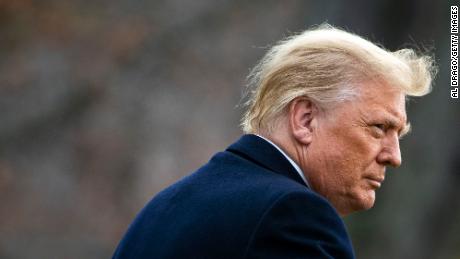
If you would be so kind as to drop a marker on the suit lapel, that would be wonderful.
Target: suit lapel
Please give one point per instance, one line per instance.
(265, 154)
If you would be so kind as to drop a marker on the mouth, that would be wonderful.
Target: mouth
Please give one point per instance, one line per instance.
(375, 182)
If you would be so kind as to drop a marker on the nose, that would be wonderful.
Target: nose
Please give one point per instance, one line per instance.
(390, 155)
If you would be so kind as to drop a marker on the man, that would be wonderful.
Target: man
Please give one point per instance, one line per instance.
(325, 112)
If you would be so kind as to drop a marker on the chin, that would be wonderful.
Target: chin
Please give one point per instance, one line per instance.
(357, 202)
(368, 200)
(364, 201)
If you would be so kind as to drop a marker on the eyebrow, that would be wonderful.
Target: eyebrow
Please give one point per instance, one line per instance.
(394, 124)
(405, 130)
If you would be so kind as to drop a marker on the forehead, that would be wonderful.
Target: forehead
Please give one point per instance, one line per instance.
(380, 99)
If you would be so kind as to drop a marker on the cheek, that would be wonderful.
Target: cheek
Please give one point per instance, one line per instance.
(345, 153)
(359, 148)
(348, 157)
(340, 168)
(352, 152)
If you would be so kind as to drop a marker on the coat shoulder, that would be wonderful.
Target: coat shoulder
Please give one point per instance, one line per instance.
(216, 212)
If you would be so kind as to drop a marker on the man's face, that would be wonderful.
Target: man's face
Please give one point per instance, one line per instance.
(352, 145)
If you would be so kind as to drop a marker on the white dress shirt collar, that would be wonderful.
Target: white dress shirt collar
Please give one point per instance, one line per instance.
(294, 164)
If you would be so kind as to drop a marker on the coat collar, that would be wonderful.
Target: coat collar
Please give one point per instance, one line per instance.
(265, 154)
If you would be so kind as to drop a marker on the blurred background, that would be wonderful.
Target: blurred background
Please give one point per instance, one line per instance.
(105, 103)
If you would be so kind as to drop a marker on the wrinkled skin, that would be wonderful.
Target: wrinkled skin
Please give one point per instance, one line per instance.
(352, 147)
(343, 152)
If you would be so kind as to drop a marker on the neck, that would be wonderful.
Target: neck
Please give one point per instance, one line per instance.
(281, 137)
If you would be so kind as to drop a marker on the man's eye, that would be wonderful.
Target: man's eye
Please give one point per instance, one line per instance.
(380, 128)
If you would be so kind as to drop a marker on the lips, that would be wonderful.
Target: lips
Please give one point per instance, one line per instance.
(375, 181)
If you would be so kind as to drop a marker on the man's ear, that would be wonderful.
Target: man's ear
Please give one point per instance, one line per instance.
(302, 114)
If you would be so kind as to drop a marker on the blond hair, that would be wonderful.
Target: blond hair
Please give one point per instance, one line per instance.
(323, 64)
